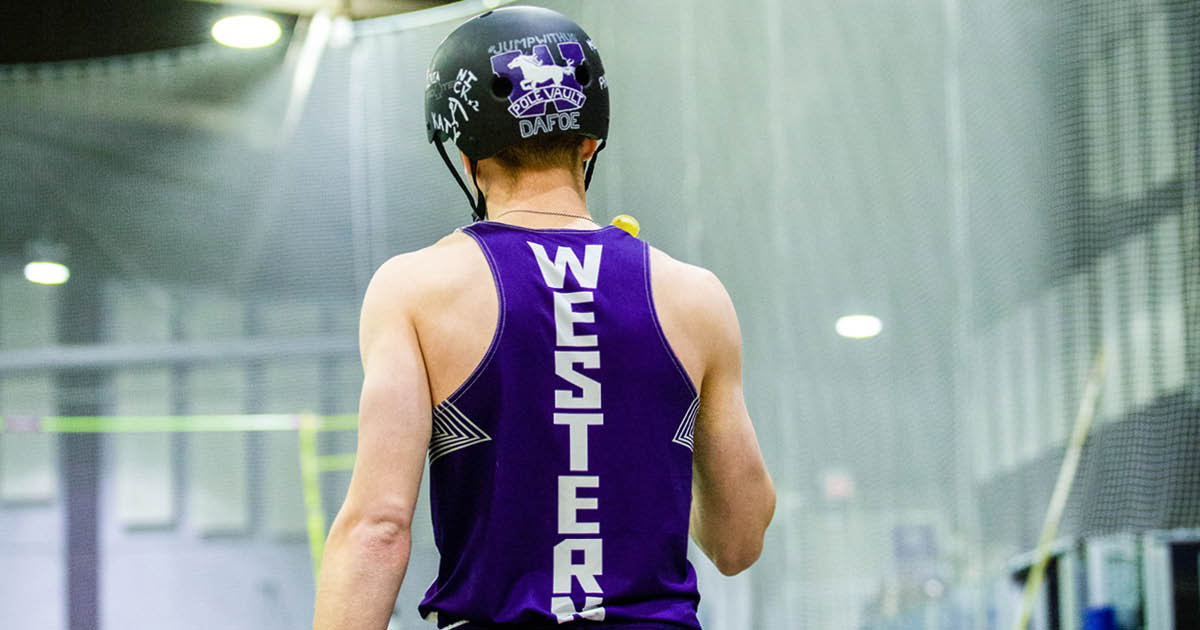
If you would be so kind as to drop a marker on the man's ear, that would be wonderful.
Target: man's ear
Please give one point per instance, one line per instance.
(466, 162)
(588, 148)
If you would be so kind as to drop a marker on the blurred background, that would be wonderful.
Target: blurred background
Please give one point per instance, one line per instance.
(1008, 186)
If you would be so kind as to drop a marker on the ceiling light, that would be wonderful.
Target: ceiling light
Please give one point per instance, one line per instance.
(859, 326)
(246, 31)
(47, 272)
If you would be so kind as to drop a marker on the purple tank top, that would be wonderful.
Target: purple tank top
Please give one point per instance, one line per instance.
(560, 471)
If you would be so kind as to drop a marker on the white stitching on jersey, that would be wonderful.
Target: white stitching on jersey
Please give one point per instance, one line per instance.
(452, 431)
(687, 427)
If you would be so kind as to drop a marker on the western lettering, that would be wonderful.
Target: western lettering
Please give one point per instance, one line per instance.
(554, 273)
(578, 555)
(565, 319)
(578, 435)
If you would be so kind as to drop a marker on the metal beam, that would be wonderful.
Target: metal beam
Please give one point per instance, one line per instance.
(295, 7)
(354, 9)
(108, 355)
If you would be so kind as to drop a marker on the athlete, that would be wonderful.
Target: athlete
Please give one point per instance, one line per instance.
(577, 393)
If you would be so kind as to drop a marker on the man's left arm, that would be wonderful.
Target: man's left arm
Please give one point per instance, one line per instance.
(366, 554)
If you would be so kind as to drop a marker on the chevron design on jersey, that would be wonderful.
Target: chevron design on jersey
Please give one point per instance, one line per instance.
(683, 435)
(452, 431)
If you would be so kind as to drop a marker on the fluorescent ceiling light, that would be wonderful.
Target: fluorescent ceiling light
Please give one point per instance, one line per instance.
(859, 326)
(46, 272)
(246, 31)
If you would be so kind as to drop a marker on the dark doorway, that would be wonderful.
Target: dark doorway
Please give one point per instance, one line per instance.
(1185, 575)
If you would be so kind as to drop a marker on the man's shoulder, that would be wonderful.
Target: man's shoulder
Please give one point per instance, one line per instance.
(449, 246)
(693, 284)
(695, 312)
(436, 268)
(445, 256)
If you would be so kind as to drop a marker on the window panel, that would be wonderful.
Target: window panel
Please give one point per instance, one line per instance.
(1137, 312)
(28, 461)
(143, 469)
(1169, 272)
(1112, 397)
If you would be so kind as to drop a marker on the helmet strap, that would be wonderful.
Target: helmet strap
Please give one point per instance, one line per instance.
(475, 211)
(480, 204)
(591, 167)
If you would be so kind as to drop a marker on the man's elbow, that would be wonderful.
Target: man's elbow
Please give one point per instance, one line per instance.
(384, 532)
(734, 561)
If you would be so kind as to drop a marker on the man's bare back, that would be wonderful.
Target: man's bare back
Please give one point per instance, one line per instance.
(455, 309)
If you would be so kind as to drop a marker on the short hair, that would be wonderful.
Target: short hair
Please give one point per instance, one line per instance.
(561, 150)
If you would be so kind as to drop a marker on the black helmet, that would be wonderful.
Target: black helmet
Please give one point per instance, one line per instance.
(511, 74)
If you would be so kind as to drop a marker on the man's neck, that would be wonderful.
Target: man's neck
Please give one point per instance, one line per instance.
(546, 199)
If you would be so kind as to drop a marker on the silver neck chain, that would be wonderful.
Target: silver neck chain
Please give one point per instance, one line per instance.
(560, 214)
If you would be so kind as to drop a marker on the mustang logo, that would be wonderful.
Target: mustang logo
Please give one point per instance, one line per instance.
(537, 80)
(535, 72)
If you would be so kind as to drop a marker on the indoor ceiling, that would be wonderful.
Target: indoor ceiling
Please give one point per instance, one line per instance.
(57, 30)
(160, 164)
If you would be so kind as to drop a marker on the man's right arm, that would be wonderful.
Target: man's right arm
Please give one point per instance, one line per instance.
(733, 498)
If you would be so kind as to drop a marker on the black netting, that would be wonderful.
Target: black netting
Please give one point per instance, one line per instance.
(1011, 187)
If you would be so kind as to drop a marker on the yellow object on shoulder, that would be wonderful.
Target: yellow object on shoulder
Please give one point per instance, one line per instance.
(627, 223)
